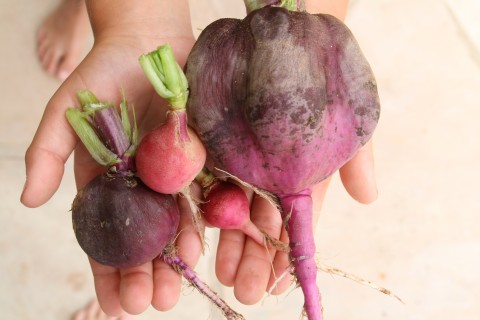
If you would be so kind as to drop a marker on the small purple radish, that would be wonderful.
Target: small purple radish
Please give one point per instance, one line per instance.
(120, 222)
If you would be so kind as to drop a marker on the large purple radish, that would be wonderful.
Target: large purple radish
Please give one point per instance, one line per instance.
(282, 99)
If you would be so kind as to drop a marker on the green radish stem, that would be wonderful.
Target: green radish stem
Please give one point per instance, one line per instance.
(166, 76)
(169, 81)
(107, 136)
(292, 5)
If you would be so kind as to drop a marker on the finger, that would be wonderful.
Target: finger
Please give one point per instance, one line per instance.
(86, 168)
(189, 245)
(93, 311)
(167, 282)
(318, 195)
(254, 270)
(229, 254)
(166, 286)
(136, 288)
(281, 277)
(107, 288)
(358, 175)
(230, 251)
(46, 156)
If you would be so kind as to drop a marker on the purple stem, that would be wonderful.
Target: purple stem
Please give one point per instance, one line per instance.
(181, 267)
(180, 117)
(109, 127)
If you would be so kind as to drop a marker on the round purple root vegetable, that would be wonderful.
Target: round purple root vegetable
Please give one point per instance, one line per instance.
(120, 222)
(282, 99)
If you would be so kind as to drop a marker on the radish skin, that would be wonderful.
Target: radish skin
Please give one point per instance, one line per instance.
(181, 267)
(171, 155)
(298, 218)
(227, 207)
(282, 99)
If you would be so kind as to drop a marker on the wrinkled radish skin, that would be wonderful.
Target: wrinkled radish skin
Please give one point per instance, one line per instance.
(282, 120)
(281, 100)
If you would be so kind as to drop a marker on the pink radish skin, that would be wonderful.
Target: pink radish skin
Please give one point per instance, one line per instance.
(227, 207)
(169, 157)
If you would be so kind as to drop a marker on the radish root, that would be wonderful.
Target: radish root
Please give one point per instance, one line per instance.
(341, 273)
(177, 264)
(270, 197)
(196, 214)
(275, 243)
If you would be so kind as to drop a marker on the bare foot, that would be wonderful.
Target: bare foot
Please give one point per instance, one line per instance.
(94, 312)
(61, 38)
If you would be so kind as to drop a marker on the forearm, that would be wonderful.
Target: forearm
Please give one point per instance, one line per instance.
(145, 20)
(337, 8)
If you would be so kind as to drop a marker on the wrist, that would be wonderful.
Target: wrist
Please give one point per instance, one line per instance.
(146, 26)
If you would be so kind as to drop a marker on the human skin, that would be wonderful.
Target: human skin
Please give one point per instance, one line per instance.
(122, 33)
(61, 38)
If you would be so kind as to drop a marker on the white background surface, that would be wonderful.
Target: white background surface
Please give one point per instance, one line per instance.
(421, 239)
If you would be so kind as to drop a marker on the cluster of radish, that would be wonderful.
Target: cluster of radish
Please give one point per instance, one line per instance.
(280, 100)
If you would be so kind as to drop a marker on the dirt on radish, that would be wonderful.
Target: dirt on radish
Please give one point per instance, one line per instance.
(281, 100)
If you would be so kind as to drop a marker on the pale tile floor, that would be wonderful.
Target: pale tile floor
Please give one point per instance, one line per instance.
(421, 239)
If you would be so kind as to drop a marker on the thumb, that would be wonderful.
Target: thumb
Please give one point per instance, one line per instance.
(44, 171)
(358, 175)
(46, 156)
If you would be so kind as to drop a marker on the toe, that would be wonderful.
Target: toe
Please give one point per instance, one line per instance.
(66, 66)
(51, 61)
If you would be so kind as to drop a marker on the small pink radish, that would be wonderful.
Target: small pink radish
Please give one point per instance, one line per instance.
(171, 155)
(227, 207)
